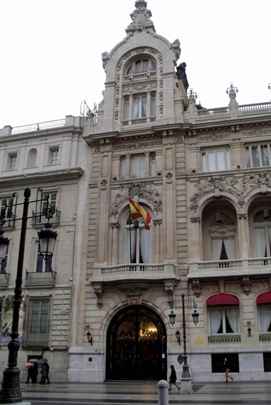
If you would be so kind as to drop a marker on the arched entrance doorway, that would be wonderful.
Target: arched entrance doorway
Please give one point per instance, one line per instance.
(136, 345)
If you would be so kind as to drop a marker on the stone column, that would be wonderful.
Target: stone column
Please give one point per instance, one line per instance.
(243, 236)
(115, 235)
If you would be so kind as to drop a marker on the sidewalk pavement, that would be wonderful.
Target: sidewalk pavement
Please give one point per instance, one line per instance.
(139, 393)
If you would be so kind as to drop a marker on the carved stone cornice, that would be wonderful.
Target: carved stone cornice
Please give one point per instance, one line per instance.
(39, 178)
(239, 187)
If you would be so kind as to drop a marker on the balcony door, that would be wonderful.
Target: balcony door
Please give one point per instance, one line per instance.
(136, 345)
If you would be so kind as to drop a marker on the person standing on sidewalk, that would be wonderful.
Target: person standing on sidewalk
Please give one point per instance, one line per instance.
(173, 378)
(45, 368)
(228, 377)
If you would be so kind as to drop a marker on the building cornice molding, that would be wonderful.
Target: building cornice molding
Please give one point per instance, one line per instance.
(43, 177)
(68, 131)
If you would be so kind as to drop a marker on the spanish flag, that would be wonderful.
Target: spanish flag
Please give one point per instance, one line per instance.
(137, 211)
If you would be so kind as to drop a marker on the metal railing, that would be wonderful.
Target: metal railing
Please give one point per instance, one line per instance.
(38, 126)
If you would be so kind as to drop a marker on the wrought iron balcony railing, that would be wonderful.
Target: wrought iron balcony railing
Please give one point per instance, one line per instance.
(38, 220)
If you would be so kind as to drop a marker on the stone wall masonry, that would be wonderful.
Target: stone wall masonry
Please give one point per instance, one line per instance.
(61, 318)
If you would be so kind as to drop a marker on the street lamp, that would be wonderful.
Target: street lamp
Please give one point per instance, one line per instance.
(11, 391)
(186, 376)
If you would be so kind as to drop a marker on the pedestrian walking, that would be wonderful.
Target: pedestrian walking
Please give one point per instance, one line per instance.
(32, 372)
(45, 368)
(173, 378)
(228, 377)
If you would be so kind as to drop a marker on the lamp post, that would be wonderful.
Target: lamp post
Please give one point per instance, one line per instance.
(186, 385)
(11, 391)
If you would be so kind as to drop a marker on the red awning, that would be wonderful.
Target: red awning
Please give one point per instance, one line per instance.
(223, 299)
(264, 298)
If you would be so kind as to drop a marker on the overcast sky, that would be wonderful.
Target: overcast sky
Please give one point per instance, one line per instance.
(51, 51)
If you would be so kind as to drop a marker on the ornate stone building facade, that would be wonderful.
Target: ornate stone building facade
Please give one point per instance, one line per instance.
(204, 176)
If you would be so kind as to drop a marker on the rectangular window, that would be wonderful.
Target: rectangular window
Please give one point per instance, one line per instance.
(124, 167)
(12, 160)
(267, 361)
(258, 155)
(223, 320)
(138, 165)
(46, 205)
(139, 106)
(220, 359)
(44, 265)
(215, 160)
(264, 318)
(53, 158)
(38, 321)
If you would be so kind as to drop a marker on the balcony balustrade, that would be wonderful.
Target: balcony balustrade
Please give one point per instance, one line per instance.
(40, 279)
(134, 272)
(265, 337)
(4, 280)
(227, 338)
(38, 220)
(230, 268)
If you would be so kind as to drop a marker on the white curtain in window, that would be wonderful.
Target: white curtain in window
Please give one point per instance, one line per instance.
(145, 245)
(264, 317)
(229, 245)
(260, 242)
(212, 161)
(124, 167)
(215, 320)
(232, 316)
(138, 164)
(221, 160)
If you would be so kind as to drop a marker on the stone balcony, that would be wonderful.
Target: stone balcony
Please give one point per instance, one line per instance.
(40, 279)
(230, 268)
(4, 280)
(135, 277)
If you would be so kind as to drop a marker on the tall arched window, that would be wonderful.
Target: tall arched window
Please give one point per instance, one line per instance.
(262, 232)
(32, 158)
(139, 101)
(135, 242)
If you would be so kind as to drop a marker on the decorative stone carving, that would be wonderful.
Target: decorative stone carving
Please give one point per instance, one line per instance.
(140, 19)
(103, 184)
(176, 47)
(142, 191)
(246, 285)
(105, 58)
(169, 177)
(238, 186)
(169, 286)
(196, 287)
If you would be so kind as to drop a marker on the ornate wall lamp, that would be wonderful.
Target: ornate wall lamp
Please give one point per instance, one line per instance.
(89, 336)
(249, 329)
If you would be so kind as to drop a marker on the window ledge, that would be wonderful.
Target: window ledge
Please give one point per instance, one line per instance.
(227, 338)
